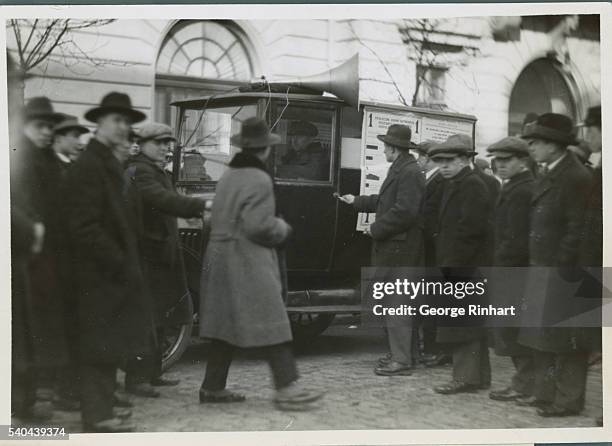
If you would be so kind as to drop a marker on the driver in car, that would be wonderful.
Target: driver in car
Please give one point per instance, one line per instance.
(305, 159)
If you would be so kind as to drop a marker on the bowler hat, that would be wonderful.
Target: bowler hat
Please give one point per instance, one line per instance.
(551, 127)
(255, 134)
(115, 102)
(593, 117)
(454, 145)
(398, 135)
(303, 128)
(40, 108)
(69, 122)
(508, 147)
(155, 131)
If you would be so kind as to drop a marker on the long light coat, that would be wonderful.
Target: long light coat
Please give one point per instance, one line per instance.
(241, 293)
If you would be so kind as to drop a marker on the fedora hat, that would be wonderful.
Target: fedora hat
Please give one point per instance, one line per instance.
(593, 117)
(398, 135)
(454, 145)
(254, 134)
(115, 102)
(155, 131)
(40, 108)
(509, 147)
(69, 122)
(551, 127)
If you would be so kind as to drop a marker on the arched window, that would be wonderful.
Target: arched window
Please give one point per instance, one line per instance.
(541, 87)
(200, 57)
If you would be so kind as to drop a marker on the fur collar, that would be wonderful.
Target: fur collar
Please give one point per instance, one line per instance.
(245, 159)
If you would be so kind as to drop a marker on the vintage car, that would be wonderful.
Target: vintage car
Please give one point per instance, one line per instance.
(324, 256)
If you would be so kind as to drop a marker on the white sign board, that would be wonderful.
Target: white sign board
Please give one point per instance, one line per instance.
(374, 166)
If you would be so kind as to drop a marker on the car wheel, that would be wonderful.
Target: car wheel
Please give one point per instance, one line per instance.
(176, 339)
(306, 326)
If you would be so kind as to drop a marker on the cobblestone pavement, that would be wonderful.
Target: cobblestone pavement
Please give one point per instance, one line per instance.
(340, 362)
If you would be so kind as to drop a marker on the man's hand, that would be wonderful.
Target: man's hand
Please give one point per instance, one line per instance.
(348, 198)
(39, 238)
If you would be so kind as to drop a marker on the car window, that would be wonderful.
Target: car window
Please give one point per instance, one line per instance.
(205, 140)
(305, 152)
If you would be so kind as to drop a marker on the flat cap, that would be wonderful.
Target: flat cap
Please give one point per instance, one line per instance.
(508, 147)
(455, 145)
(425, 146)
(156, 131)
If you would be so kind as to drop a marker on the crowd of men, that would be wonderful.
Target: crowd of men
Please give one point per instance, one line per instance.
(544, 209)
(96, 262)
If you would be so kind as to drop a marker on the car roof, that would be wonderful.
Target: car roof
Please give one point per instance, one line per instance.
(233, 99)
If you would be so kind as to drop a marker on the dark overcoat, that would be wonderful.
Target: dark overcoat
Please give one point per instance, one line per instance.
(159, 206)
(556, 224)
(431, 206)
(41, 186)
(511, 250)
(241, 291)
(115, 318)
(23, 218)
(397, 231)
(493, 187)
(462, 237)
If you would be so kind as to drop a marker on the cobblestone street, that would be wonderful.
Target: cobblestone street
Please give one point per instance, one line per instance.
(341, 362)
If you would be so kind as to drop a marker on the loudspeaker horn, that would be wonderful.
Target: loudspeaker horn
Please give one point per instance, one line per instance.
(341, 81)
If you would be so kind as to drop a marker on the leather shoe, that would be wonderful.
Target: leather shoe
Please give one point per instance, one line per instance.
(531, 401)
(39, 411)
(142, 389)
(439, 360)
(164, 382)
(507, 394)
(383, 360)
(122, 401)
(454, 387)
(66, 404)
(111, 425)
(393, 368)
(556, 411)
(121, 413)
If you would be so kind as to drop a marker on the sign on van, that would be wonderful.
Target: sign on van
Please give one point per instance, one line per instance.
(425, 126)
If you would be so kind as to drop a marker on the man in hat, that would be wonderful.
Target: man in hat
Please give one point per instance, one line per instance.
(241, 303)
(66, 139)
(66, 147)
(591, 247)
(115, 319)
(434, 354)
(556, 221)
(159, 206)
(461, 239)
(305, 158)
(27, 238)
(397, 234)
(511, 156)
(40, 183)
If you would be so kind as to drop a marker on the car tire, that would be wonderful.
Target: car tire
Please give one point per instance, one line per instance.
(176, 339)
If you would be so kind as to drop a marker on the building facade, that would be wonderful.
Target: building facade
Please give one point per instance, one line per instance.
(498, 69)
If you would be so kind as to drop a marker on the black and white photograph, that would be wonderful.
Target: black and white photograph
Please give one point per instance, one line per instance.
(235, 221)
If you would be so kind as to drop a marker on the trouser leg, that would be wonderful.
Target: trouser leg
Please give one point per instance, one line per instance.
(23, 391)
(570, 380)
(218, 364)
(400, 343)
(484, 368)
(68, 382)
(544, 376)
(282, 364)
(97, 392)
(467, 362)
(523, 378)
